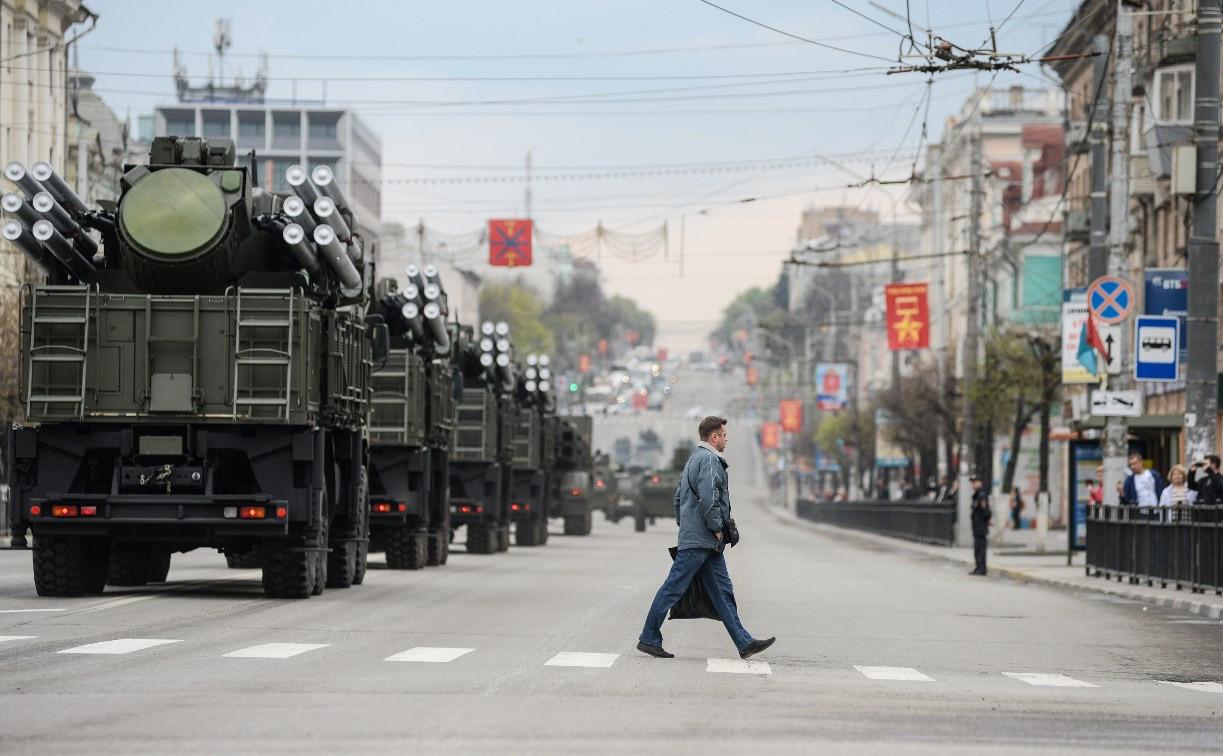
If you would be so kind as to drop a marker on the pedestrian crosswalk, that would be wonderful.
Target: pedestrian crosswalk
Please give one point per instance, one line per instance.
(598, 660)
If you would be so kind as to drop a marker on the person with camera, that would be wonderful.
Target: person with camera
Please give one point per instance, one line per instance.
(1205, 479)
(702, 511)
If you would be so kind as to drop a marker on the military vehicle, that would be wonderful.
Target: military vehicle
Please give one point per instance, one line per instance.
(605, 497)
(655, 497)
(533, 479)
(412, 420)
(200, 384)
(574, 473)
(482, 452)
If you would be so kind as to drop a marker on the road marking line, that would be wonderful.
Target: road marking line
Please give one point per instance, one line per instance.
(580, 659)
(119, 646)
(22, 611)
(738, 666)
(4, 638)
(893, 673)
(1052, 681)
(1201, 687)
(429, 654)
(275, 650)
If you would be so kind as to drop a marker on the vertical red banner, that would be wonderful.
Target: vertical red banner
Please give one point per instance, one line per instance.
(908, 316)
(752, 376)
(583, 363)
(770, 435)
(791, 415)
(509, 242)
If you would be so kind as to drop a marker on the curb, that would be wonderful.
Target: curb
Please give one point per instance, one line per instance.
(1191, 606)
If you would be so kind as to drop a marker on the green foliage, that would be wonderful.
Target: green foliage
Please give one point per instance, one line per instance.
(922, 406)
(752, 305)
(855, 429)
(521, 307)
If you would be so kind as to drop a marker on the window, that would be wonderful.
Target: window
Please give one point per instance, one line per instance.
(180, 123)
(251, 130)
(216, 124)
(287, 126)
(323, 130)
(1173, 101)
(278, 168)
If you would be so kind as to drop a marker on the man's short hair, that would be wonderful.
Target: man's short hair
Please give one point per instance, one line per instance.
(1135, 455)
(1214, 460)
(709, 425)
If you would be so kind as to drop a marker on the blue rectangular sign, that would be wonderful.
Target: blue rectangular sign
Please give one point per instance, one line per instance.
(1156, 346)
(1166, 293)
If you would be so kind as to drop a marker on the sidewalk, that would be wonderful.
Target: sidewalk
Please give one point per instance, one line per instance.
(1016, 559)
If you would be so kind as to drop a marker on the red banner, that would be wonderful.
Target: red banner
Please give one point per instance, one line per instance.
(770, 435)
(509, 243)
(602, 346)
(791, 415)
(752, 376)
(908, 316)
(583, 363)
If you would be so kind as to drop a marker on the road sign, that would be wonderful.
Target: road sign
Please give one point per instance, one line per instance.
(1156, 348)
(1116, 403)
(1110, 299)
(1167, 294)
(1113, 346)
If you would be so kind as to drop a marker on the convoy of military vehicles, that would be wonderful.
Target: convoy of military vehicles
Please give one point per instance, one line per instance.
(227, 370)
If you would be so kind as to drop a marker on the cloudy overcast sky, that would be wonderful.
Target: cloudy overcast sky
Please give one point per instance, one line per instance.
(696, 108)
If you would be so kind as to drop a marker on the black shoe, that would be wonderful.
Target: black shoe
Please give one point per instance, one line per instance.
(977, 572)
(756, 647)
(652, 650)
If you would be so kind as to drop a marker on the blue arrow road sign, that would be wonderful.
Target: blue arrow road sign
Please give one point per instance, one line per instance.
(1156, 348)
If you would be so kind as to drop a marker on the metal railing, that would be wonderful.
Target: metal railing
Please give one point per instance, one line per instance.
(924, 521)
(1182, 546)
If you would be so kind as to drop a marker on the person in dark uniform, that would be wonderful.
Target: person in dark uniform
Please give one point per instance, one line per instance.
(981, 515)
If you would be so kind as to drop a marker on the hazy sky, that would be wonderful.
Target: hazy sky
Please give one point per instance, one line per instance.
(591, 85)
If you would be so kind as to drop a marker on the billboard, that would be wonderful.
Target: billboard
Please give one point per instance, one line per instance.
(1074, 326)
(832, 385)
(887, 452)
(791, 411)
(1166, 293)
(908, 316)
(770, 435)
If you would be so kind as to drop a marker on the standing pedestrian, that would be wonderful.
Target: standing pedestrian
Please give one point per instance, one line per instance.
(702, 507)
(1207, 481)
(1177, 493)
(981, 515)
(949, 491)
(1095, 495)
(1016, 509)
(1142, 486)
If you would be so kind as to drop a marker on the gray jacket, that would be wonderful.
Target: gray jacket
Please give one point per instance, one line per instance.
(702, 501)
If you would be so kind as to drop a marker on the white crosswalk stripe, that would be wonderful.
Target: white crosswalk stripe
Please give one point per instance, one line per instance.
(581, 659)
(4, 638)
(893, 673)
(429, 654)
(275, 650)
(738, 666)
(1049, 680)
(1201, 687)
(119, 646)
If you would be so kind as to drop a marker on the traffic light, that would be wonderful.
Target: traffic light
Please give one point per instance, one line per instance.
(573, 387)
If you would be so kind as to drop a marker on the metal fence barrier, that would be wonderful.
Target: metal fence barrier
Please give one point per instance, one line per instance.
(1182, 546)
(923, 521)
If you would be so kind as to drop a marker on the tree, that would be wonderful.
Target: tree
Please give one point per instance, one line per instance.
(521, 307)
(754, 304)
(922, 406)
(845, 435)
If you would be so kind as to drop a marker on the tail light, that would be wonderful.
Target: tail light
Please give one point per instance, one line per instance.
(63, 510)
(35, 510)
(599, 484)
(382, 507)
(281, 512)
(654, 479)
(89, 511)
(252, 513)
(403, 507)
(576, 492)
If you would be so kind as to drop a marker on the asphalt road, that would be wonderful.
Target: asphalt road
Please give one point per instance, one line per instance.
(533, 651)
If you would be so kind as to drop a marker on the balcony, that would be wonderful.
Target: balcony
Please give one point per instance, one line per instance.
(1078, 225)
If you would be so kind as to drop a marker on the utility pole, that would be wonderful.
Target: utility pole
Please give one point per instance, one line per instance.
(527, 198)
(972, 328)
(1097, 253)
(1201, 343)
(1116, 431)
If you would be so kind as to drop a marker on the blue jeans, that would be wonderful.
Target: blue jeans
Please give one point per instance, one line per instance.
(710, 568)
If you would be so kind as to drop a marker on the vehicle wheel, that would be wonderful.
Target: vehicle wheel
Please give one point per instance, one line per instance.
(639, 525)
(288, 572)
(503, 539)
(358, 576)
(651, 520)
(478, 537)
(405, 549)
(129, 564)
(439, 549)
(159, 566)
(319, 560)
(543, 533)
(341, 565)
(526, 534)
(251, 559)
(578, 525)
(69, 565)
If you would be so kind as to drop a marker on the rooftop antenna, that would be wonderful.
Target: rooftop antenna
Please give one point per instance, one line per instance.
(222, 38)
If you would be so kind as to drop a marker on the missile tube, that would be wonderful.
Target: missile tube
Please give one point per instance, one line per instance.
(411, 316)
(295, 237)
(437, 328)
(296, 211)
(24, 239)
(14, 204)
(326, 212)
(324, 179)
(63, 250)
(413, 274)
(337, 257)
(44, 203)
(297, 178)
(46, 175)
(17, 173)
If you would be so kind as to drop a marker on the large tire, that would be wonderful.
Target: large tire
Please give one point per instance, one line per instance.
(288, 572)
(579, 525)
(439, 549)
(526, 534)
(503, 539)
(251, 559)
(639, 524)
(543, 533)
(130, 564)
(406, 549)
(362, 561)
(479, 539)
(159, 567)
(342, 565)
(319, 561)
(69, 565)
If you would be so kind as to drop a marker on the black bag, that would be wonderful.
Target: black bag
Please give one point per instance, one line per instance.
(730, 532)
(695, 603)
